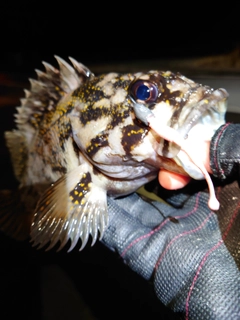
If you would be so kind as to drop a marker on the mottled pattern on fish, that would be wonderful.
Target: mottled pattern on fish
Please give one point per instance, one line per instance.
(79, 140)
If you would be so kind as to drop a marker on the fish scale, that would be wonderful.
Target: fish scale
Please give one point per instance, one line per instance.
(79, 139)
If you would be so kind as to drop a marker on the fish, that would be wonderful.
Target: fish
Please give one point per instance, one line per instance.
(79, 139)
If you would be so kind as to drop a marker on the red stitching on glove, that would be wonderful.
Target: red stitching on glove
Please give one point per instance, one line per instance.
(160, 227)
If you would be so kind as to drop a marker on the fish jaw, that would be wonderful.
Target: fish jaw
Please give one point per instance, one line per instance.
(189, 158)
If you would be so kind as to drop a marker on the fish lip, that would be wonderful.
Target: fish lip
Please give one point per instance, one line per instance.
(216, 105)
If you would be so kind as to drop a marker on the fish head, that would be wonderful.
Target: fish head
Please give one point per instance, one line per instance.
(113, 136)
(189, 108)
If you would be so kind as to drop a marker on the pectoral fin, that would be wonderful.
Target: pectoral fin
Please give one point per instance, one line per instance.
(72, 208)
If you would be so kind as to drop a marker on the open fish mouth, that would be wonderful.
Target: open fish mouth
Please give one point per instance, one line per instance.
(207, 113)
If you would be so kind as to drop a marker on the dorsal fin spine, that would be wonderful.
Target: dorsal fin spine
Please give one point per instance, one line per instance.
(49, 87)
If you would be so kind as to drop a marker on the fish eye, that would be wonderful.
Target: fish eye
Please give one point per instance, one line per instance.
(144, 90)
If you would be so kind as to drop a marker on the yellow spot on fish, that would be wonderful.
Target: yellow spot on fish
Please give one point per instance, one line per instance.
(135, 132)
(83, 201)
(166, 74)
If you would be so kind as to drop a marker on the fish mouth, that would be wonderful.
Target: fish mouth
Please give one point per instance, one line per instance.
(209, 114)
(197, 121)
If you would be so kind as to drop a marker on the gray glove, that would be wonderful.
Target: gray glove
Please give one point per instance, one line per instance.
(190, 253)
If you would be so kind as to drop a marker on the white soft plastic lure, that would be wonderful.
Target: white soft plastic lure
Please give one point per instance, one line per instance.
(169, 134)
(78, 140)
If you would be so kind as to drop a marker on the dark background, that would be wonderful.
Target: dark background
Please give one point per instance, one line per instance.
(108, 33)
(94, 283)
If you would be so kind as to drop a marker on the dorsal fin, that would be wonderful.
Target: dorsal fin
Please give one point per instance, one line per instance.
(49, 87)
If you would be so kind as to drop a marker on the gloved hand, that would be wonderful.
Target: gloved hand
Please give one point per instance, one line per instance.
(186, 254)
(189, 252)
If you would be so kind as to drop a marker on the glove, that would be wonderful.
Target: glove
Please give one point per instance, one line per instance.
(190, 253)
